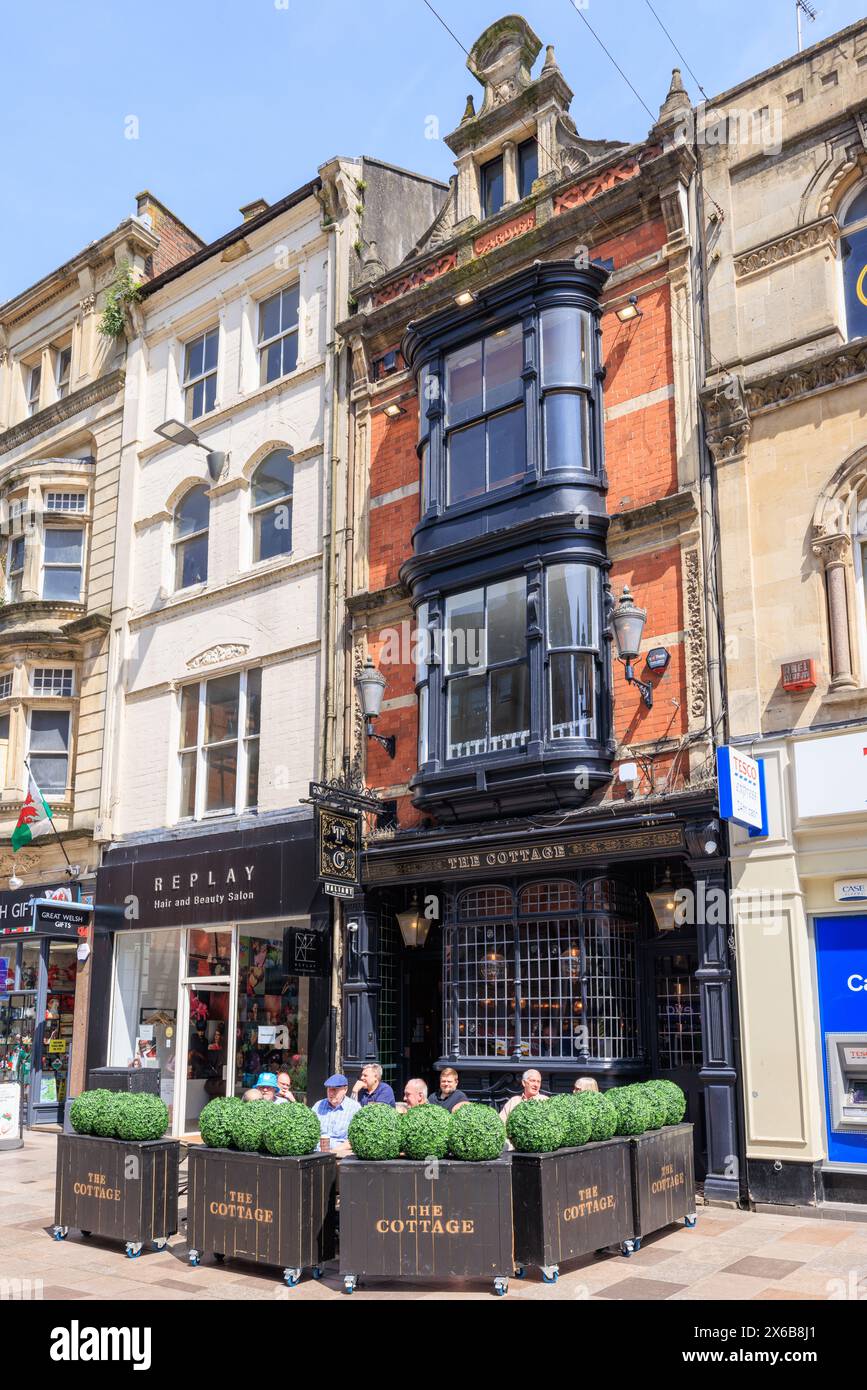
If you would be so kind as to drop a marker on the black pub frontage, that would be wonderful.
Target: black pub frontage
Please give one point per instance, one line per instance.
(216, 964)
(546, 950)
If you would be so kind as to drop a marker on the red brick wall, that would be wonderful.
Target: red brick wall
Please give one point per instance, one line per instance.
(655, 581)
(177, 242)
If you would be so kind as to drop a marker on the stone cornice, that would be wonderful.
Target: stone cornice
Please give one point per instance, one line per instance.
(62, 410)
(50, 286)
(679, 506)
(842, 366)
(786, 248)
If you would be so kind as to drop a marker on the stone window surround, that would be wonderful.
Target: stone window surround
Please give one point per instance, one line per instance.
(18, 705)
(31, 490)
(835, 542)
(469, 167)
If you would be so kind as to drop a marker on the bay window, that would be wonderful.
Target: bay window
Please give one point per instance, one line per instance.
(573, 642)
(61, 564)
(488, 698)
(14, 569)
(49, 748)
(485, 428)
(219, 744)
(566, 379)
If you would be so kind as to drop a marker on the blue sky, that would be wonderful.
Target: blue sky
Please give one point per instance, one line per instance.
(239, 99)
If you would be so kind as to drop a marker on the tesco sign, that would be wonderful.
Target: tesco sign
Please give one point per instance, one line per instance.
(741, 789)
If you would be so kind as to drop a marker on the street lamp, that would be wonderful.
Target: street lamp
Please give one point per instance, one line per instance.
(628, 622)
(664, 905)
(414, 926)
(371, 684)
(178, 433)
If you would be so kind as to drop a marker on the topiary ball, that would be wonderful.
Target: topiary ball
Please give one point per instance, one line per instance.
(141, 1116)
(107, 1114)
(601, 1112)
(85, 1108)
(290, 1129)
(214, 1121)
(633, 1111)
(674, 1098)
(656, 1105)
(245, 1124)
(574, 1119)
(374, 1132)
(424, 1132)
(536, 1127)
(476, 1134)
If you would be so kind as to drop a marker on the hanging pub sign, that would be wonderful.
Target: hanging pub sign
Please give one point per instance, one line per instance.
(338, 850)
(305, 951)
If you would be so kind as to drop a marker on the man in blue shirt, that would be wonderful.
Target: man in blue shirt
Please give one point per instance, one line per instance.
(370, 1087)
(335, 1112)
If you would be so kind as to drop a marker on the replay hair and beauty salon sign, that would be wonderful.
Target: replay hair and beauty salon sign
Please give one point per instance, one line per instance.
(220, 886)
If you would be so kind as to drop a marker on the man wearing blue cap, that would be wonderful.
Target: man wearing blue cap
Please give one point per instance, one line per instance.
(269, 1086)
(335, 1112)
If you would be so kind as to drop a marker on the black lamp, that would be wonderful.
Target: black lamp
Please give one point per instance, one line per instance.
(628, 622)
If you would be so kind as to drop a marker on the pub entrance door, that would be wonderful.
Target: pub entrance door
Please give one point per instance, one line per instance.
(672, 1026)
(421, 1011)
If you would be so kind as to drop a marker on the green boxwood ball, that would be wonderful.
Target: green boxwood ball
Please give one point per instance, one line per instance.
(674, 1097)
(374, 1132)
(601, 1112)
(107, 1114)
(85, 1108)
(141, 1116)
(245, 1124)
(424, 1132)
(535, 1126)
(574, 1119)
(476, 1134)
(633, 1111)
(214, 1121)
(290, 1129)
(655, 1103)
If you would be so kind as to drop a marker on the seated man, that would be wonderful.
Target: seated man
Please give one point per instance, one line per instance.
(267, 1083)
(414, 1093)
(370, 1087)
(335, 1112)
(585, 1083)
(284, 1081)
(448, 1095)
(252, 1094)
(531, 1089)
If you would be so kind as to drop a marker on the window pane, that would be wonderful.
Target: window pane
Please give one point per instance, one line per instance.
(571, 696)
(49, 731)
(189, 716)
(572, 607)
(290, 353)
(290, 308)
(528, 167)
(221, 708)
(16, 554)
(221, 777)
(192, 513)
(4, 728)
(465, 630)
(464, 383)
(269, 318)
(192, 562)
(466, 460)
(425, 478)
(856, 209)
(271, 362)
(254, 699)
(507, 448)
(188, 785)
(62, 547)
(252, 773)
(510, 707)
(196, 400)
(273, 477)
(504, 358)
(565, 347)
(274, 531)
(507, 620)
(492, 187)
(210, 384)
(50, 774)
(468, 716)
(195, 356)
(422, 725)
(422, 641)
(566, 431)
(853, 250)
(62, 585)
(211, 342)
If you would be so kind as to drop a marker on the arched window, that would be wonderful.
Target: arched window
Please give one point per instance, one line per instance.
(191, 538)
(271, 507)
(853, 255)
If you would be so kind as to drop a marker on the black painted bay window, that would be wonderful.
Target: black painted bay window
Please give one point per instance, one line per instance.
(485, 439)
(486, 672)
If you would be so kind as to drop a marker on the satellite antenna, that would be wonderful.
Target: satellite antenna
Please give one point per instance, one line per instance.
(803, 7)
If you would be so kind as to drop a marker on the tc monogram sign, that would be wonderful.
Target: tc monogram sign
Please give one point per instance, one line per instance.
(338, 844)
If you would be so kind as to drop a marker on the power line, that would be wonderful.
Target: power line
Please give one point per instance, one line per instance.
(677, 50)
(585, 20)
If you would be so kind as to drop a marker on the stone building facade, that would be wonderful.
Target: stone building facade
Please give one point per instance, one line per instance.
(784, 179)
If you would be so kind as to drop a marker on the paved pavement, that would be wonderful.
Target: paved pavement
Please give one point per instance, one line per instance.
(730, 1255)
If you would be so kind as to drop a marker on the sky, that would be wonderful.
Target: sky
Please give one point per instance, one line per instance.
(212, 103)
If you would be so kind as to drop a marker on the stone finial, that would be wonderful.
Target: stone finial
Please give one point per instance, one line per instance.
(502, 57)
(469, 110)
(550, 63)
(677, 101)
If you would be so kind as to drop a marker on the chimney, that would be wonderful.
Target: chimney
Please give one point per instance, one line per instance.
(254, 209)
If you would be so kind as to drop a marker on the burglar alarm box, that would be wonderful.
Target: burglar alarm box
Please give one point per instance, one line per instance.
(798, 675)
(846, 1057)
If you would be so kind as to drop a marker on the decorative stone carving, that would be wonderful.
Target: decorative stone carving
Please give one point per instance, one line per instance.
(822, 233)
(696, 655)
(608, 177)
(501, 59)
(215, 656)
(834, 551)
(489, 241)
(842, 365)
(446, 220)
(19, 863)
(432, 270)
(727, 420)
(87, 304)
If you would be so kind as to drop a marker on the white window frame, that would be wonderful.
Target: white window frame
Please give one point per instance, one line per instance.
(58, 709)
(179, 541)
(71, 503)
(67, 679)
(34, 377)
(258, 511)
(62, 380)
(190, 382)
(11, 574)
(45, 565)
(263, 344)
(5, 685)
(242, 740)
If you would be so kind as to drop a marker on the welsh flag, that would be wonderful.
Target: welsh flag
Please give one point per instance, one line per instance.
(34, 818)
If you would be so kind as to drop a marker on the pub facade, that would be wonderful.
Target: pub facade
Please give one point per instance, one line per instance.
(530, 484)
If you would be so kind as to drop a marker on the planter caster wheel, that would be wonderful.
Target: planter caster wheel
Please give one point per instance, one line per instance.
(690, 1221)
(316, 1272)
(162, 1243)
(636, 1244)
(133, 1249)
(350, 1283)
(501, 1287)
(627, 1247)
(86, 1234)
(194, 1257)
(550, 1274)
(520, 1272)
(61, 1232)
(219, 1256)
(292, 1277)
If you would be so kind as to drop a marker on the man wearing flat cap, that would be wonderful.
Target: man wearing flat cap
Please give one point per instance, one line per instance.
(335, 1112)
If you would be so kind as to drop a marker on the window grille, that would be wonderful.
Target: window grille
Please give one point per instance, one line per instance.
(678, 1013)
(52, 680)
(64, 502)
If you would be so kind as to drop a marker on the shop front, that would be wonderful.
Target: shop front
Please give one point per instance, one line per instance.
(38, 977)
(558, 951)
(221, 968)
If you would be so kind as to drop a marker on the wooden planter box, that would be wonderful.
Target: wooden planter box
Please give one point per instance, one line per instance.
(273, 1211)
(122, 1189)
(396, 1223)
(570, 1203)
(663, 1179)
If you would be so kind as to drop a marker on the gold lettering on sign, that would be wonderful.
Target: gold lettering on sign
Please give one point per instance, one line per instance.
(589, 1203)
(96, 1187)
(424, 1219)
(667, 1181)
(240, 1207)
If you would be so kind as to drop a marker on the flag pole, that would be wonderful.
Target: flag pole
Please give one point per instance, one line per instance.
(53, 826)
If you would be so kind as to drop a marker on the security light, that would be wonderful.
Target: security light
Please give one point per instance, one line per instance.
(465, 298)
(629, 310)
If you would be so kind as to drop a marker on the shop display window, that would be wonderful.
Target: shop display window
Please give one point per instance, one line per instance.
(273, 1012)
(144, 1014)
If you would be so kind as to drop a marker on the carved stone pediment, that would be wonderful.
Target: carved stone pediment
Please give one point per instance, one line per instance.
(501, 59)
(217, 655)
